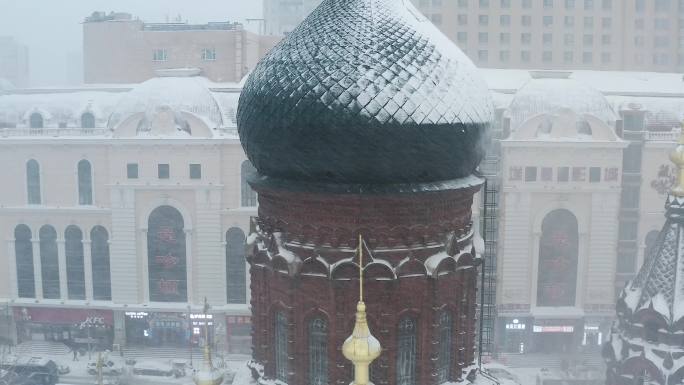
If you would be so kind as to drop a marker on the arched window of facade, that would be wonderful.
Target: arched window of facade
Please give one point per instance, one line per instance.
(36, 120)
(85, 183)
(33, 182)
(23, 250)
(235, 266)
(406, 352)
(166, 256)
(99, 249)
(249, 197)
(281, 364)
(558, 253)
(73, 237)
(49, 262)
(87, 120)
(445, 344)
(318, 352)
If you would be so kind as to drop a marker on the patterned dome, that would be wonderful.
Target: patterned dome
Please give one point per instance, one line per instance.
(180, 94)
(365, 91)
(552, 91)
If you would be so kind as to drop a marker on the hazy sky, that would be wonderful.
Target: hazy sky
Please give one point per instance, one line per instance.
(52, 28)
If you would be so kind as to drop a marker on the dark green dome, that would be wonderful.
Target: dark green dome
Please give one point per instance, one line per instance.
(365, 91)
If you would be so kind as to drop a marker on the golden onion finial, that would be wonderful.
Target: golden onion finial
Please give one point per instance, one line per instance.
(677, 157)
(361, 348)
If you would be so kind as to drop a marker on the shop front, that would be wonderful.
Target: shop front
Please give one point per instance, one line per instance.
(239, 334)
(167, 328)
(75, 327)
(515, 334)
(556, 335)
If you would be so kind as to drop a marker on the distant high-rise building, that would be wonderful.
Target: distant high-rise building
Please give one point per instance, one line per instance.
(14, 59)
(545, 34)
(120, 49)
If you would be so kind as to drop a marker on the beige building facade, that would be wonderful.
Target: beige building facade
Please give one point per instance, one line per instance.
(120, 49)
(583, 171)
(631, 35)
(130, 207)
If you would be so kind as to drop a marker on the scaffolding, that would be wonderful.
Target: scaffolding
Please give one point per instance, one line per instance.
(489, 229)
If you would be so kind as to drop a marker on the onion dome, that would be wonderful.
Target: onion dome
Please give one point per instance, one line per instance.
(650, 309)
(550, 92)
(188, 94)
(365, 91)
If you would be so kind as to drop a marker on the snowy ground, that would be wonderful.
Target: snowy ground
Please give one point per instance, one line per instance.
(78, 372)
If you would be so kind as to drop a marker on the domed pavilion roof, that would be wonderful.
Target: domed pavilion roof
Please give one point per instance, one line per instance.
(549, 92)
(180, 94)
(365, 91)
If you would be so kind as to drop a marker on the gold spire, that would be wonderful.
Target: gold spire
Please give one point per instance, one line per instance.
(677, 157)
(361, 348)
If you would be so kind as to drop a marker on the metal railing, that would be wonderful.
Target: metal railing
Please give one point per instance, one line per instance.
(663, 136)
(52, 132)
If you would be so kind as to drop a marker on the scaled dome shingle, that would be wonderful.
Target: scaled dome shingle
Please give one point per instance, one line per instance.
(365, 91)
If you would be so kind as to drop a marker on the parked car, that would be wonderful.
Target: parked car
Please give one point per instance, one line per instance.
(502, 373)
(152, 368)
(31, 371)
(110, 367)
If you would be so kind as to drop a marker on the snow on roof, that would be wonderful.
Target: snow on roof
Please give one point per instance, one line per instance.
(608, 82)
(188, 94)
(552, 95)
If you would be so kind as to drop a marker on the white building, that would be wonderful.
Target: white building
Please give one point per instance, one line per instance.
(121, 204)
(125, 205)
(584, 166)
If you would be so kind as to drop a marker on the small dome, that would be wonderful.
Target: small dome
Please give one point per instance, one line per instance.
(180, 94)
(365, 91)
(550, 92)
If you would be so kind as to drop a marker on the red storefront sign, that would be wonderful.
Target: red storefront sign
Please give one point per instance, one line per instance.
(61, 316)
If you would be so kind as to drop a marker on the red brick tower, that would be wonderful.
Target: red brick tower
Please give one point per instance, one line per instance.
(364, 120)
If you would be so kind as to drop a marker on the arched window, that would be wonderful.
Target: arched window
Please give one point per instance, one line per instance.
(235, 266)
(85, 183)
(99, 250)
(249, 197)
(444, 359)
(87, 120)
(73, 247)
(36, 120)
(23, 250)
(318, 352)
(166, 256)
(406, 352)
(33, 182)
(583, 127)
(558, 250)
(281, 364)
(49, 262)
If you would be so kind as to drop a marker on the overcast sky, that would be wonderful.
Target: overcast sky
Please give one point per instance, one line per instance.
(52, 28)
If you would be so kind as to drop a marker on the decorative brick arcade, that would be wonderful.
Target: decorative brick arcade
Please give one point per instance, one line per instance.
(422, 262)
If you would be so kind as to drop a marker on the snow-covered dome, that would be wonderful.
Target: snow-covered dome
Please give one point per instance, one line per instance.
(550, 92)
(365, 91)
(182, 95)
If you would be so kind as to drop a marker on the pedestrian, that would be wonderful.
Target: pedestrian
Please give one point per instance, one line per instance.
(75, 351)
